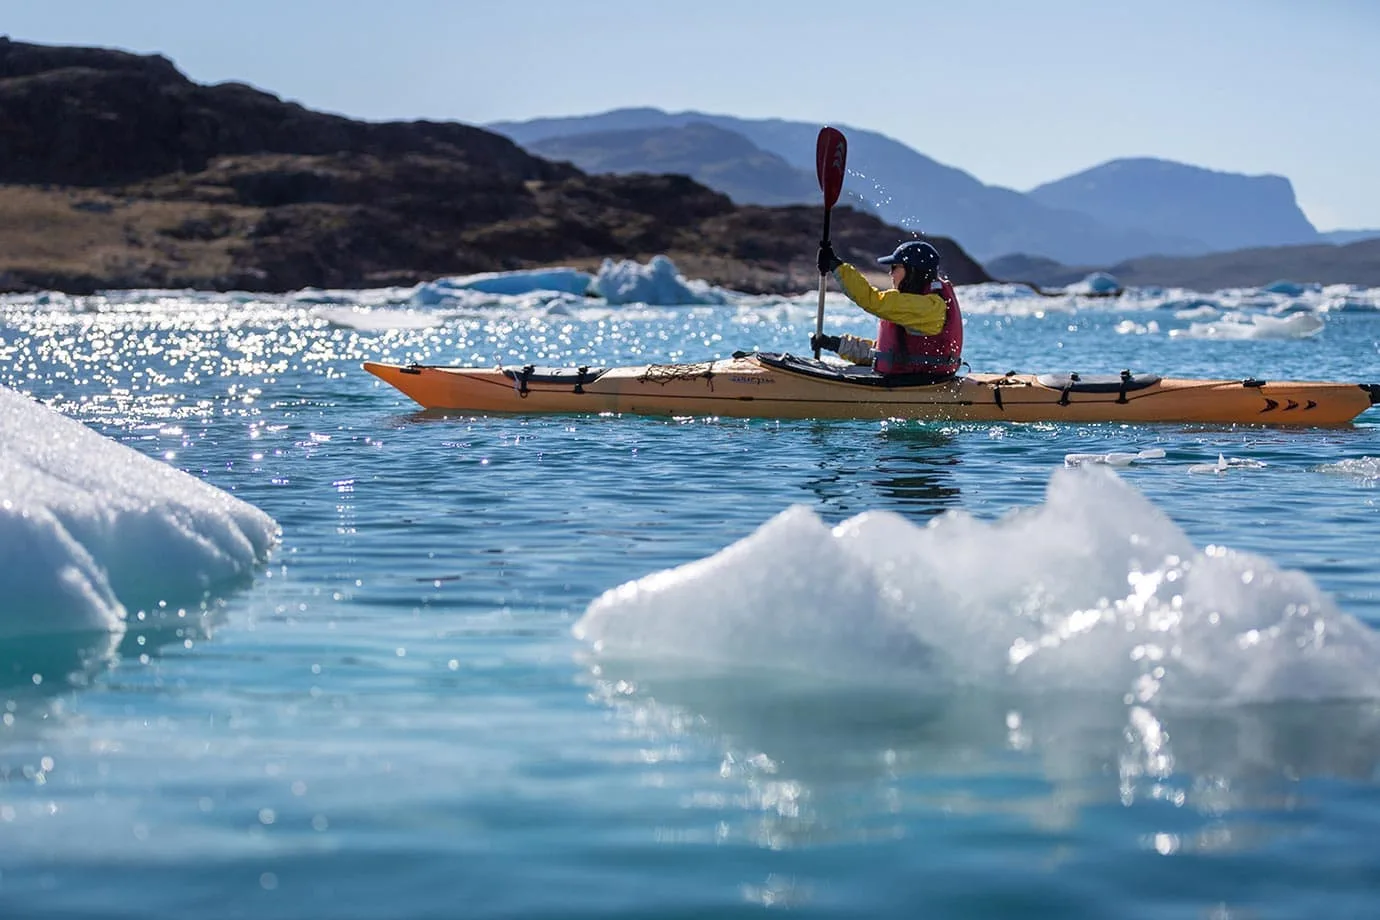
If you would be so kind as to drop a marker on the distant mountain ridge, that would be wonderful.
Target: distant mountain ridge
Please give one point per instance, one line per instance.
(724, 160)
(1225, 210)
(1119, 210)
(901, 185)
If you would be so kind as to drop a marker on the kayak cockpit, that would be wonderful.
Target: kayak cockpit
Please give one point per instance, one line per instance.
(843, 373)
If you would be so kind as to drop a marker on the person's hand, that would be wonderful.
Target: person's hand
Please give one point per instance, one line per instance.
(825, 342)
(828, 261)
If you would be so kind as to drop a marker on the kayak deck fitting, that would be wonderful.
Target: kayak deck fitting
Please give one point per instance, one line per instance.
(783, 386)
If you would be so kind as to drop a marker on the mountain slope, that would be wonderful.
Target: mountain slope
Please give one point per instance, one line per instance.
(903, 187)
(1225, 210)
(723, 160)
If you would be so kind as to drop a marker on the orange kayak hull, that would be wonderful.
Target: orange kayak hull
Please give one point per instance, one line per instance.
(783, 387)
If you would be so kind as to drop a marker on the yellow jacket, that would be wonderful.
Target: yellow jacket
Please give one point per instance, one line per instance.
(920, 313)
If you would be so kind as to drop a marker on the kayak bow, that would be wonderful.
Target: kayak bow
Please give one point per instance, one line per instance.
(782, 386)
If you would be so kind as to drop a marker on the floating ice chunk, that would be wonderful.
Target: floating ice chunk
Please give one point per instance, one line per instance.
(524, 281)
(91, 529)
(658, 283)
(686, 613)
(1131, 327)
(1223, 464)
(1364, 468)
(307, 296)
(1290, 288)
(1096, 283)
(369, 319)
(1238, 326)
(468, 289)
(1115, 458)
(1202, 311)
(1098, 592)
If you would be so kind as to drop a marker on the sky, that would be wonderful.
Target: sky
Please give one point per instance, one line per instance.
(1015, 92)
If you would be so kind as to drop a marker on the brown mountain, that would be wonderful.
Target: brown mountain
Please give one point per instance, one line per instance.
(117, 171)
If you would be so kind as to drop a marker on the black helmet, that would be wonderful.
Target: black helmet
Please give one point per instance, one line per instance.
(916, 255)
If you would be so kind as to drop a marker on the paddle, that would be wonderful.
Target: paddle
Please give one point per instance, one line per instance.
(831, 155)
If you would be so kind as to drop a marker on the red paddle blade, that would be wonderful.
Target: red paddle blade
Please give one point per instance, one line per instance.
(831, 156)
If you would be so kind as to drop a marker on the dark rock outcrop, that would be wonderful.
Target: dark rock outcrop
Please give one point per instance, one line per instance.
(97, 117)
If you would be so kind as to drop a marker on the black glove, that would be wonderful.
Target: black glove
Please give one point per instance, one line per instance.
(828, 261)
(825, 342)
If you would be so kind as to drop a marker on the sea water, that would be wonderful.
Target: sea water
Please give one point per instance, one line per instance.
(607, 666)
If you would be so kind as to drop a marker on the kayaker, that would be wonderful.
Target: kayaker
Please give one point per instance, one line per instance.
(921, 329)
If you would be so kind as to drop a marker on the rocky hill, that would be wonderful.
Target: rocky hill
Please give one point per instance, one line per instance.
(117, 171)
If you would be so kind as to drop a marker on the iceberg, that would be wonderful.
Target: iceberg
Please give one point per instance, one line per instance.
(1099, 593)
(523, 281)
(1096, 283)
(93, 532)
(1241, 326)
(1290, 288)
(658, 283)
(618, 282)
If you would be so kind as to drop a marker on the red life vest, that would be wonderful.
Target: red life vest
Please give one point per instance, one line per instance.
(900, 351)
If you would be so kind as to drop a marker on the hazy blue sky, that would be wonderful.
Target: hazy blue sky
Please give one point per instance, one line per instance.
(1016, 92)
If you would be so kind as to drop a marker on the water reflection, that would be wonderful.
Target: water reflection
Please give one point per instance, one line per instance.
(905, 467)
(914, 470)
(46, 665)
(41, 667)
(816, 762)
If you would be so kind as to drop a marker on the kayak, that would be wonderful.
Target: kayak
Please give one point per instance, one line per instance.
(784, 386)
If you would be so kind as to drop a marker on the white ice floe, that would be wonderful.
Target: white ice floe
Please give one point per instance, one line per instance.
(658, 283)
(1094, 591)
(1239, 326)
(522, 281)
(377, 319)
(1114, 458)
(92, 531)
(1095, 283)
(1363, 468)
(1131, 327)
(1224, 464)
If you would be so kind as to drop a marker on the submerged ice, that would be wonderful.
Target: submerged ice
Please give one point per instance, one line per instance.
(1095, 590)
(92, 531)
